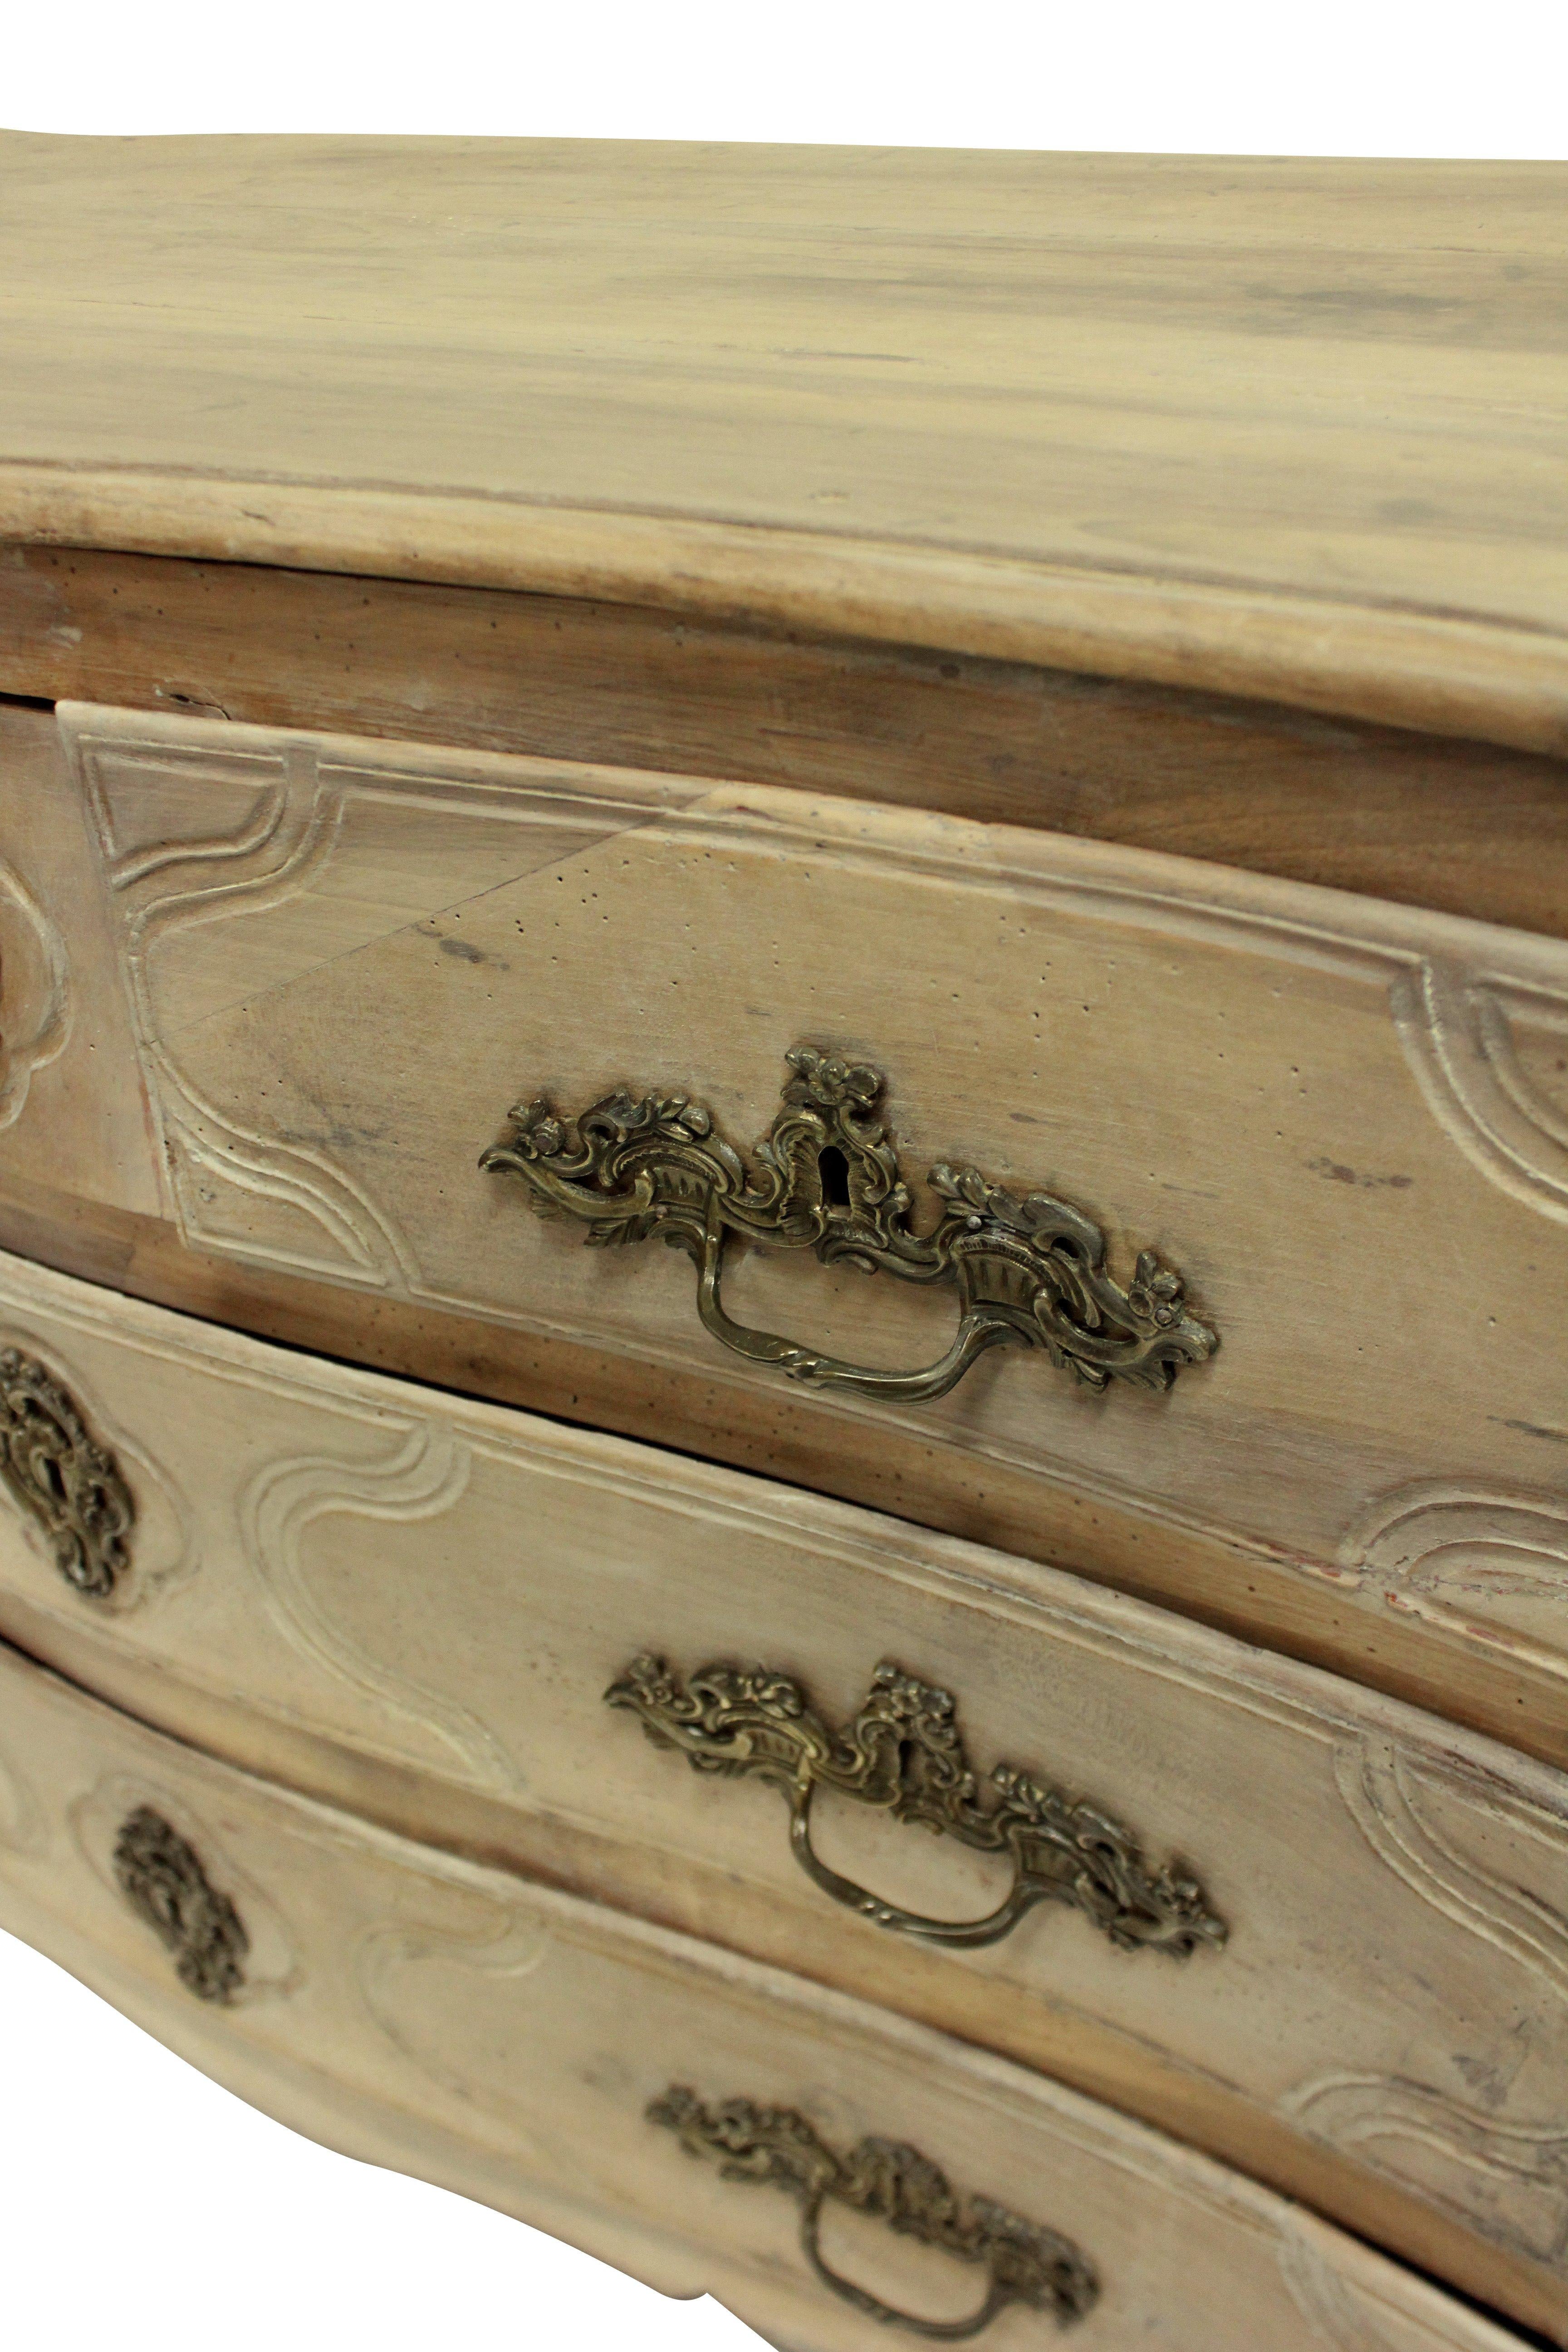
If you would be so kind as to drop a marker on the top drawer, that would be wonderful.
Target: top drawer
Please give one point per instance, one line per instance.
(1341, 1125)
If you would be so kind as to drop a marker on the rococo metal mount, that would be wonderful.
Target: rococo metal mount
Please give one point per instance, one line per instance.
(162, 1878)
(1027, 1269)
(1024, 2262)
(69, 1483)
(904, 1754)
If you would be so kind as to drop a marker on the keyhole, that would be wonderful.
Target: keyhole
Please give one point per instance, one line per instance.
(833, 1173)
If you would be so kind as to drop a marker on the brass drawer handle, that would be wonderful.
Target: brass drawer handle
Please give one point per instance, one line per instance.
(162, 1878)
(1026, 2261)
(56, 1470)
(903, 1753)
(1028, 1270)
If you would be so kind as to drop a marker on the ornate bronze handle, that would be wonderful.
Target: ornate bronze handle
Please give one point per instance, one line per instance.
(1028, 1270)
(60, 1475)
(903, 1753)
(162, 1878)
(1026, 2263)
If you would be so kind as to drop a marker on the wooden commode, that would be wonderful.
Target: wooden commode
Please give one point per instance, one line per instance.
(784, 1204)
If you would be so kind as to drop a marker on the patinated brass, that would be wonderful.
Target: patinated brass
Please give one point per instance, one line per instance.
(903, 1753)
(57, 1471)
(162, 1878)
(1026, 2261)
(1030, 1270)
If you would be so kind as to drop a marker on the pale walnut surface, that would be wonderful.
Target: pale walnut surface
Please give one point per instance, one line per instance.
(342, 964)
(1085, 635)
(416, 1607)
(1288, 429)
(454, 2021)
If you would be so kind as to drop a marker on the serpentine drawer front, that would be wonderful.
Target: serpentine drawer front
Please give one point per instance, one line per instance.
(703, 2122)
(1316, 1930)
(764, 1484)
(1100, 1213)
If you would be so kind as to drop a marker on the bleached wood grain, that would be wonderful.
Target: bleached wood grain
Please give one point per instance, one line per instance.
(346, 961)
(414, 1606)
(1294, 429)
(458, 2022)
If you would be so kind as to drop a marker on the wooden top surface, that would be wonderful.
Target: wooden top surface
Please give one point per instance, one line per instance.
(1289, 428)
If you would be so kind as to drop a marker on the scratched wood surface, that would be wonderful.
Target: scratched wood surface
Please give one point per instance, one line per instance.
(1295, 429)
(342, 961)
(1430, 820)
(458, 2022)
(415, 1605)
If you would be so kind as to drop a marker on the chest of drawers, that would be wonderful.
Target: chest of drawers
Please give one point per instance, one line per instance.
(976, 744)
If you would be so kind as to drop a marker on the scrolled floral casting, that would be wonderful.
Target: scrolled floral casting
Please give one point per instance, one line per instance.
(1024, 2262)
(903, 1753)
(56, 1470)
(161, 1876)
(1028, 1269)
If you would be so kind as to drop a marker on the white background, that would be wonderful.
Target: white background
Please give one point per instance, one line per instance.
(141, 2207)
(1225, 77)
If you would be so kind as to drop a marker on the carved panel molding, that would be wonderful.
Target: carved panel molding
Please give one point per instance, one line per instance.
(1344, 2317)
(1399, 1800)
(1488, 1566)
(267, 930)
(1458, 1027)
(1507, 2180)
(416, 1983)
(1494, 2167)
(34, 993)
(282, 798)
(423, 1478)
(24, 1829)
(205, 825)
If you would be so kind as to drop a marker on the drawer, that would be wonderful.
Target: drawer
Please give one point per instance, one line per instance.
(1298, 1922)
(1238, 1209)
(701, 2121)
